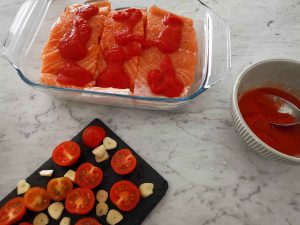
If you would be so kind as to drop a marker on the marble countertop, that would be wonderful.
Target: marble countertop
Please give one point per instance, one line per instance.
(213, 177)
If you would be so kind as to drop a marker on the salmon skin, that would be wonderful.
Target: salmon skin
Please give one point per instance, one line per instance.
(104, 28)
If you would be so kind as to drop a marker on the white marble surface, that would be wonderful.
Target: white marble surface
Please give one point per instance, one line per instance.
(214, 179)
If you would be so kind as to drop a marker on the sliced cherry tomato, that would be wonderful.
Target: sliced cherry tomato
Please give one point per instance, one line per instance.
(58, 188)
(37, 199)
(87, 221)
(13, 211)
(80, 201)
(125, 195)
(66, 153)
(25, 223)
(88, 175)
(93, 136)
(123, 162)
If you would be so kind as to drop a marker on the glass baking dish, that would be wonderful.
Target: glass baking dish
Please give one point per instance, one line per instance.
(31, 27)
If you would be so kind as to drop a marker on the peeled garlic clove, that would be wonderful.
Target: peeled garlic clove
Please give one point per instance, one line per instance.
(146, 189)
(65, 221)
(99, 151)
(55, 210)
(101, 196)
(103, 158)
(71, 175)
(22, 187)
(101, 209)
(109, 143)
(46, 173)
(113, 217)
(41, 219)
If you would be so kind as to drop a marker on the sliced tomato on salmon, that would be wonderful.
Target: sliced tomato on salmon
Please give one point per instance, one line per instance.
(111, 28)
(71, 73)
(51, 80)
(184, 59)
(53, 61)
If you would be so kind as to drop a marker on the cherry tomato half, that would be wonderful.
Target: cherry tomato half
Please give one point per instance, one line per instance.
(88, 175)
(87, 221)
(80, 201)
(125, 195)
(25, 223)
(13, 211)
(37, 199)
(66, 154)
(58, 188)
(123, 162)
(93, 136)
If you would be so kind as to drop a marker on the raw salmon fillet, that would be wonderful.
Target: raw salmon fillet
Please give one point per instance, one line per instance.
(51, 57)
(184, 59)
(111, 27)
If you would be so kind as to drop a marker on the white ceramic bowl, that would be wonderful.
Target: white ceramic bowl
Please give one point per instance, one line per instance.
(281, 73)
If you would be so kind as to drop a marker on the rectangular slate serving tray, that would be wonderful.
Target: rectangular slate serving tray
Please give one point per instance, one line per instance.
(143, 173)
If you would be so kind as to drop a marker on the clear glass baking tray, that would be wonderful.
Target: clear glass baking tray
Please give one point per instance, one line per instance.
(31, 27)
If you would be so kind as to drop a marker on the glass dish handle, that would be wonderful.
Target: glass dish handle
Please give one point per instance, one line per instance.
(23, 29)
(219, 50)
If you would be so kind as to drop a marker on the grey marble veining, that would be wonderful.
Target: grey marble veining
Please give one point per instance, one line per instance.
(214, 179)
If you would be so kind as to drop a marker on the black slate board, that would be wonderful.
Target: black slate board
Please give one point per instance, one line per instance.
(143, 173)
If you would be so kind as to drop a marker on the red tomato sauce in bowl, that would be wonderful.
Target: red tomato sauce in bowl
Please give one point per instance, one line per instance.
(258, 110)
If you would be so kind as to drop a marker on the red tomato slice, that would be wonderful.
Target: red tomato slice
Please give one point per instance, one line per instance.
(123, 162)
(13, 211)
(93, 136)
(87, 221)
(58, 188)
(80, 201)
(125, 195)
(25, 223)
(88, 175)
(66, 153)
(37, 199)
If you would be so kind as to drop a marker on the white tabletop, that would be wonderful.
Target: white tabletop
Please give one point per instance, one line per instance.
(213, 178)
